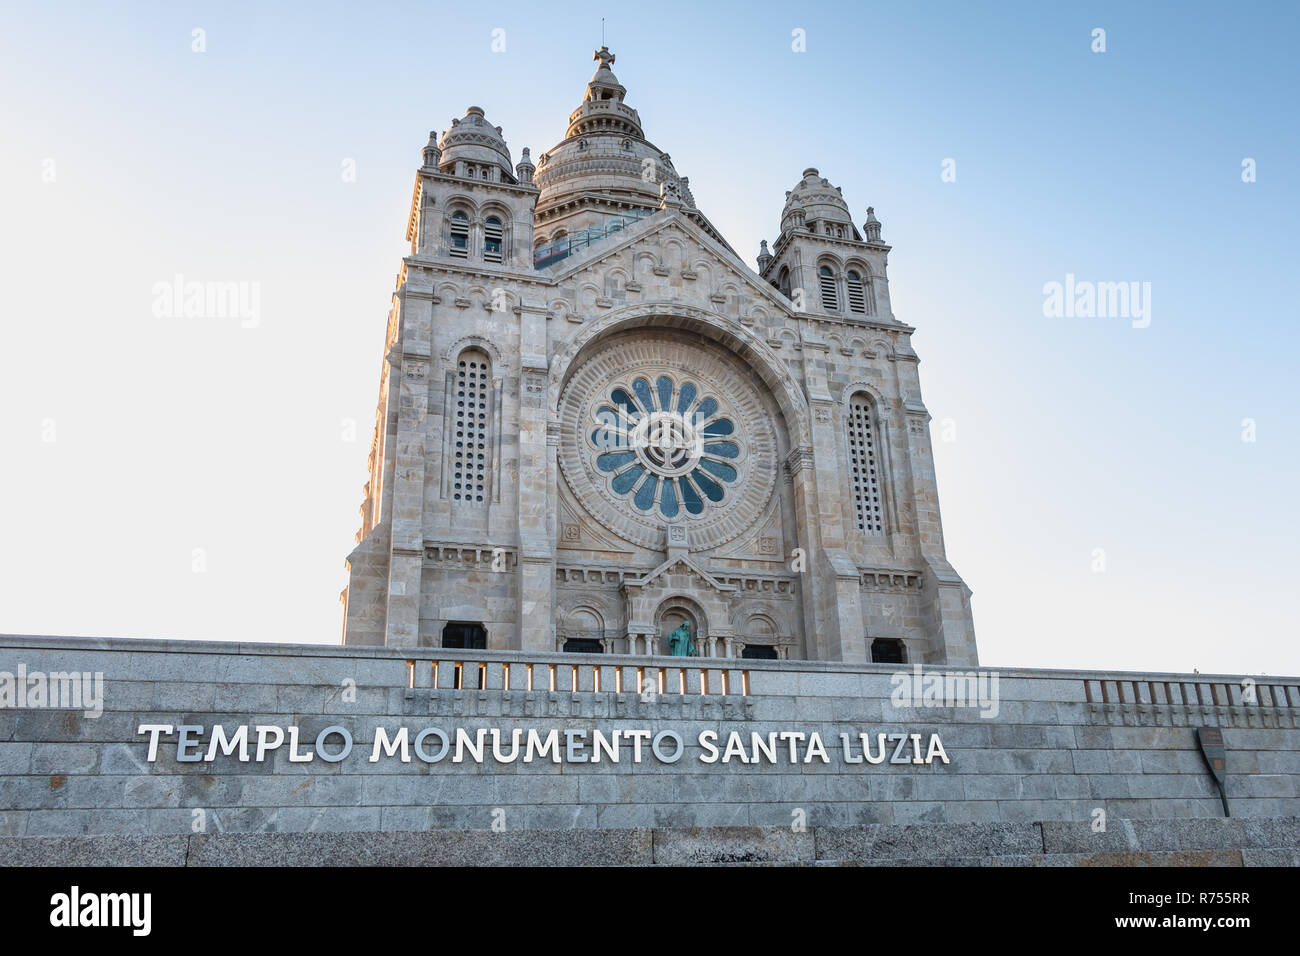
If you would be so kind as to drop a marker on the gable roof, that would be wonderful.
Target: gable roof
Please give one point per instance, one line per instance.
(662, 221)
(690, 564)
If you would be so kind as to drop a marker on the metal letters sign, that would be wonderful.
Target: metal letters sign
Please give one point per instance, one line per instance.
(1211, 741)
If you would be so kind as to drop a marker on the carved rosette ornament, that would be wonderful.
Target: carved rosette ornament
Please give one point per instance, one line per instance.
(660, 431)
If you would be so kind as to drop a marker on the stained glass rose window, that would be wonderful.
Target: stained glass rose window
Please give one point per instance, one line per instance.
(666, 445)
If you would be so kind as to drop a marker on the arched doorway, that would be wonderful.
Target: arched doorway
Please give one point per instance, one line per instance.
(888, 650)
(470, 635)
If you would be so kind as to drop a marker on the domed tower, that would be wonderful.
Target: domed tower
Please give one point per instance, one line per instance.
(604, 174)
(470, 203)
(821, 261)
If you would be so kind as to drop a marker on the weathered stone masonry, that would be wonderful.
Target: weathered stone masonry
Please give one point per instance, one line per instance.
(1062, 744)
(534, 296)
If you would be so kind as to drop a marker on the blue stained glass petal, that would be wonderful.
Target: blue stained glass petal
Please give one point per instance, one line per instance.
(721, 427)
(608, 436)
(665, 386)
(723, 449)
(711, 490)
(620, 397)
(725, 472)
(668, 500)
(642, 389)
(624, 482)
(614, 460)
(684, 399)
(645, 495)
(691, 498)
(707, 409)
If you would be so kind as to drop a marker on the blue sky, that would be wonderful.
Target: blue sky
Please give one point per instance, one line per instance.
(130, 441)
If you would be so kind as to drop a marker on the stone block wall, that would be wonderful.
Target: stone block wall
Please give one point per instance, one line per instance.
(1061, 746)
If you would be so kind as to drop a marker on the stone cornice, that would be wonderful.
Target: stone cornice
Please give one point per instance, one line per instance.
(437, 175)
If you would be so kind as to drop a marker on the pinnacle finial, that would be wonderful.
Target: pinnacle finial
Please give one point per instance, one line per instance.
(604, 56)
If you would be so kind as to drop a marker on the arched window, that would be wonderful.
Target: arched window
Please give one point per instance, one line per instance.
(459, 246)
(783, 282)
(492, 239)
(887, 650)
(857, 295)
(759, 652)
(830, 296)
(470, 453)
(864, 465)
(470, 635)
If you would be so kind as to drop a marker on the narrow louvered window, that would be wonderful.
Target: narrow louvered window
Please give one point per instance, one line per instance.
(492, 240)
(857, 297)
(459, 247)
(830, 297)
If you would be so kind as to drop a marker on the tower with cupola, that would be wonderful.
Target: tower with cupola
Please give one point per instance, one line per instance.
(551, 315)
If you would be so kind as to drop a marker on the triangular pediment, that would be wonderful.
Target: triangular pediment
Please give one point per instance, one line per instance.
(649, 232)
(687, 563)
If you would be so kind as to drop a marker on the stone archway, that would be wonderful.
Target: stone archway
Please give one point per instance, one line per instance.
(828, 594)
(737, 339)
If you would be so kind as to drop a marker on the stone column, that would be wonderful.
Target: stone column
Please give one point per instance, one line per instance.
(536, 574)
(411, 354)
(951, 628)
(845, 638)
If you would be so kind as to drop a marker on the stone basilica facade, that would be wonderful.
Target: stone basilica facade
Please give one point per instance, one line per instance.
(596, 421)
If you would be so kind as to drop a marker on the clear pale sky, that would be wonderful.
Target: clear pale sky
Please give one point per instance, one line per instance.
(129, 441)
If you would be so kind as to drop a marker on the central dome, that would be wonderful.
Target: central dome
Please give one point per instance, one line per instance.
(604, 158)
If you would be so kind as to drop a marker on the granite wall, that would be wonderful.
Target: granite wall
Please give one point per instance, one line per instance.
(1062, 746)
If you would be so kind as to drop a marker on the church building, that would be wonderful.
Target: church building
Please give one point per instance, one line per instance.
(597, 423)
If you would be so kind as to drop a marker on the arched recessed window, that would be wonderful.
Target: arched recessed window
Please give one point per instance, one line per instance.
(469, 635)
(469, 448)
(783, 281)
(493, 234)
(830, 296)
(459, 235)
(857, 294)
(864, 465)
(887, 650)
(759, 652)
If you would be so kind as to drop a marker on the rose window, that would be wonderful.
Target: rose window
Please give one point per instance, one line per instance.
(665, 445)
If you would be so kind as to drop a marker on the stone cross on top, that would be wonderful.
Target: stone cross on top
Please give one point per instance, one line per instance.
(604, 56)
